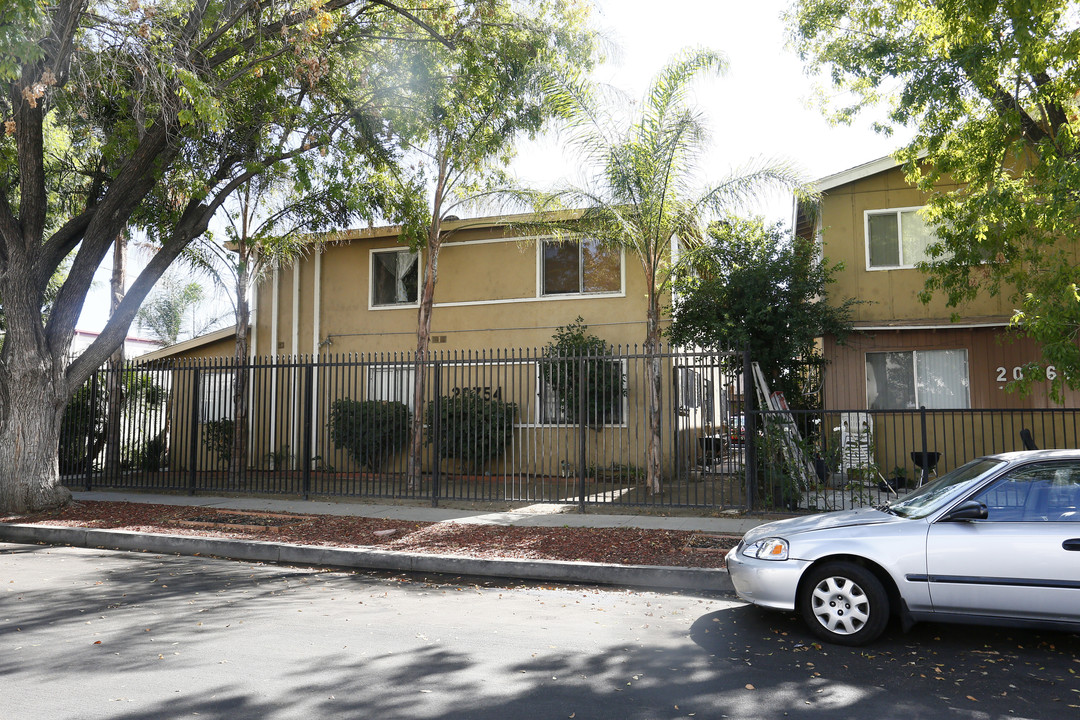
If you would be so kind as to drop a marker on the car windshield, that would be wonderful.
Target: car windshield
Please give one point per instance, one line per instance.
(930, 497)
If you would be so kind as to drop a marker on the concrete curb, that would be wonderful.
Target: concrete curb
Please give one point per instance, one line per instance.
(645, 576)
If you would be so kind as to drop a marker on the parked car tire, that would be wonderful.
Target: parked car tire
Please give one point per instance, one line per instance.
(844, 603)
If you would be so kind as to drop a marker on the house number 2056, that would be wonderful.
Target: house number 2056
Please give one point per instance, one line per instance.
(1018, 373)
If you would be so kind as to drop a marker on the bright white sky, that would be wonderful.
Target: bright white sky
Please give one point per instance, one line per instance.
(761, 108)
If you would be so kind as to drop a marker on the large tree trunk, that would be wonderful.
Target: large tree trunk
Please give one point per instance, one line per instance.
(653, 458)
(32, 408)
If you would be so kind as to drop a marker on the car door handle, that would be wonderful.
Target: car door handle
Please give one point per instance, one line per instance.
(1073, 544)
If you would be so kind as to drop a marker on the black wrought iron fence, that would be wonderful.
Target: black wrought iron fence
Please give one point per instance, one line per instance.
(514, 426)
(519, 426)
(827, 460)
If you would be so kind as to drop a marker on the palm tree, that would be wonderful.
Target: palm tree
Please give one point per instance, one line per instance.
(645, 194)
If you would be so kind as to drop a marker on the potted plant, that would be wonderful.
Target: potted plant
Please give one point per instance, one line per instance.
(897, 480)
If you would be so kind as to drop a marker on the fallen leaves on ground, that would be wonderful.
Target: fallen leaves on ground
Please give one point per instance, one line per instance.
(622, 546)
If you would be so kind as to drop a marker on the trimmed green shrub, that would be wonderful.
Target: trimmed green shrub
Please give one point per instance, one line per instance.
(575, 365)
(371, 431)
(150, 456)
(218, 439)
(471, 428)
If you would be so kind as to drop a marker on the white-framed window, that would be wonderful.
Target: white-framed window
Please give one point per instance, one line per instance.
(609, 409)
(896, 238)
(696, 393)
(935, 379)
(215, 395)
(584, 267)
(395, 277)
(392, 383)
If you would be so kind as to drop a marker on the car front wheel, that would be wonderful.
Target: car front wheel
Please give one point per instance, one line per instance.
(844, 603)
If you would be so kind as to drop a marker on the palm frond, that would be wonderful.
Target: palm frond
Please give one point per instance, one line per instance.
(745, 184)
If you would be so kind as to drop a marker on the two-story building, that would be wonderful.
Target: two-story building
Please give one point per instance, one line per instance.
(502, 293)
(907, 354)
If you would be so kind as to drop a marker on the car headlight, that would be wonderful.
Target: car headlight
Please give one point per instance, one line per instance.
(767, 549)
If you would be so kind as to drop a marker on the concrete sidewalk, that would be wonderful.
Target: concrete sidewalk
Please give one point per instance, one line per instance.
(546, 515)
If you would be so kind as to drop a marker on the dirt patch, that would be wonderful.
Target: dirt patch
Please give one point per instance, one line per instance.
(706, 543)
(244, 520)
(622, 546)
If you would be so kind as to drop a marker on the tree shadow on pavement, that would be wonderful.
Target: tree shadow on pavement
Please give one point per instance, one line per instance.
(222, 639)
(933, 668)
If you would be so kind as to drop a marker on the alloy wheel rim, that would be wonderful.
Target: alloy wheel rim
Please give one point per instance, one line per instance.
(840, 605)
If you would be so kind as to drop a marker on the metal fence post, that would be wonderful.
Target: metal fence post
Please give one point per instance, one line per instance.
(925, 455)
(90, 431)
(582, 418)
(435, 430)
(309, 375)
(750, 421)
(193, 444)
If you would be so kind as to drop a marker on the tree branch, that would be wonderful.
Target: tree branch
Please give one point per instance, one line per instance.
(133, 181)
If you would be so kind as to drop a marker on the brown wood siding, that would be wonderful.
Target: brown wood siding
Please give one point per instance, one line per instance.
(992, 354)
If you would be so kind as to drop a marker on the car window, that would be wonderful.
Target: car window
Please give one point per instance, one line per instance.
(932, 496)
(1043, 492)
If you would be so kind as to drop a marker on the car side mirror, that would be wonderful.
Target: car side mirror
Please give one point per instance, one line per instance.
(967, 510)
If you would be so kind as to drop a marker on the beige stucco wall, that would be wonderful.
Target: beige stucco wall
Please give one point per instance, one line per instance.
(892, 295)
(892, 301)
(487, 298)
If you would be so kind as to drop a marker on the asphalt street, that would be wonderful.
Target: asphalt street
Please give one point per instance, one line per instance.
(88, 633)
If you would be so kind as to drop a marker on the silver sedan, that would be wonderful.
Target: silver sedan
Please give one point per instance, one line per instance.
(995, 541)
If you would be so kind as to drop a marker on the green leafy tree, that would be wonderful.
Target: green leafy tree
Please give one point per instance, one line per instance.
(991, 91)
(119, 114)
(759, 287)
(84, 426)
(645, 191)
(578, 368)
(465, 107)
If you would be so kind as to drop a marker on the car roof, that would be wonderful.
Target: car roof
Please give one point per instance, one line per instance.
(1021, 455)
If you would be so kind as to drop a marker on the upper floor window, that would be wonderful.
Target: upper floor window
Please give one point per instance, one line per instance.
(395, 277)
(917, 378)
(576, 268)
(896, 238)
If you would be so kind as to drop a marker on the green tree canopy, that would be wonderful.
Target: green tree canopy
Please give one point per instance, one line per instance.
(759, 287)
(123, 113)
(578, 369)
(168, 306)
(991, 89)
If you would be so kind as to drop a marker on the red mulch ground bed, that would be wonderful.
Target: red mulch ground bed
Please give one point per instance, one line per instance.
(624, 546)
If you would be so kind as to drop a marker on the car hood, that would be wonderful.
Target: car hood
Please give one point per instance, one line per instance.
(826, 521)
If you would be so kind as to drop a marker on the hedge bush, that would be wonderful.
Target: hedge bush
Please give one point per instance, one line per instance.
(371, 431)
(472, 428)
(217, 437)
(575, 365)
(78, 422)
